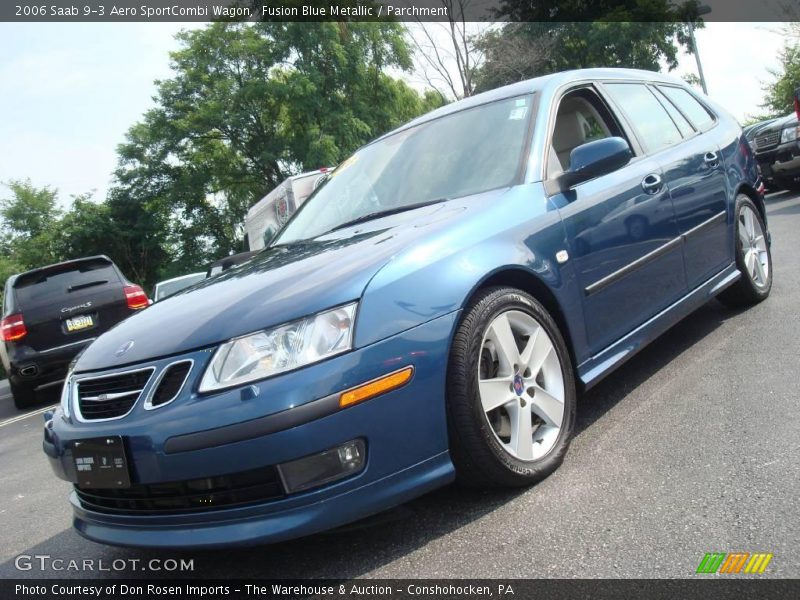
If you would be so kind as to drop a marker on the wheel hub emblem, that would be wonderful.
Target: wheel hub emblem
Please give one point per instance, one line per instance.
(519, 386)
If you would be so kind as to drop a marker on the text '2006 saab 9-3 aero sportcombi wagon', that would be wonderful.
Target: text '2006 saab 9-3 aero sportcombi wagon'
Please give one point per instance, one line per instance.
(427, 315)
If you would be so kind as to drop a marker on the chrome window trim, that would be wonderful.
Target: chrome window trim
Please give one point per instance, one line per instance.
(74, 400)
(148, 400)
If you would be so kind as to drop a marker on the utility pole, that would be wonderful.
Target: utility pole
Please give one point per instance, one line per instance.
(703, 9)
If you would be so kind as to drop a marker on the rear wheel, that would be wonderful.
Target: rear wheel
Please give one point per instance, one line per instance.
(24, 397)
(753, 257)
(511, 393)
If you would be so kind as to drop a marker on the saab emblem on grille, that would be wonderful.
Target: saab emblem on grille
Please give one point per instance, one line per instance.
(124, 348)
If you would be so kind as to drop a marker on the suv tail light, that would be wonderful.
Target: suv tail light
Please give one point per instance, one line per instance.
(12, 328)
(135, 297)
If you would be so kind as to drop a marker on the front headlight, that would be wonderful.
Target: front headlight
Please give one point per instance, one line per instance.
(789, 134)
(280, 349)
(65, 394)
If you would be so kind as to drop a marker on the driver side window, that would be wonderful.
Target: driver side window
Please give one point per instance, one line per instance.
(581, 118)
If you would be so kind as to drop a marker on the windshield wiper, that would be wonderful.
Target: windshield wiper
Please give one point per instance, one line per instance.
(80, 286)
(383, 213)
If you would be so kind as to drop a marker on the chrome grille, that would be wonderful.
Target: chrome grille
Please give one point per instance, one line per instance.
(110, 396)
(767, 140)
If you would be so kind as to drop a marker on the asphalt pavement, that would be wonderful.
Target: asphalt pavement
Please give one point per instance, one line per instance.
(692, 447)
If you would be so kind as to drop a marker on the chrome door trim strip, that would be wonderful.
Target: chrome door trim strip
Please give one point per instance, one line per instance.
(611, 278)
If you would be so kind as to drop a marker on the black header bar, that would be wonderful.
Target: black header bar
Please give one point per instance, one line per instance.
(112, 11)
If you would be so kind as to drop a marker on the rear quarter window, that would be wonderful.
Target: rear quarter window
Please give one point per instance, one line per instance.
(689, 106)
(684, 125)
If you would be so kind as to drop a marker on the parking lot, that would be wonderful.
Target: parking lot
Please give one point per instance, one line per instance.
(692, 447)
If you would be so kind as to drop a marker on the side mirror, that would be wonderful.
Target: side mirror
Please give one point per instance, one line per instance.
(593, 159)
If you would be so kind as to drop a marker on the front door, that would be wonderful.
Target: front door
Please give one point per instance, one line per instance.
(621, 227)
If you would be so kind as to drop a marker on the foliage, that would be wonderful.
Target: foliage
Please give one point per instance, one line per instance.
(779, 94)
(249, 105)
(546, 38)
(692, 79)
(27, 227)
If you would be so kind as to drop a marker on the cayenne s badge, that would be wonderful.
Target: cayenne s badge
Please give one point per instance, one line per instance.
(76, 307)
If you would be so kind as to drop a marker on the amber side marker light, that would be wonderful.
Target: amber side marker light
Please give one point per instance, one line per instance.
(376, 387)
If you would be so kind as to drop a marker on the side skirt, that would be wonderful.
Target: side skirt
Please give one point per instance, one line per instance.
(593, 370)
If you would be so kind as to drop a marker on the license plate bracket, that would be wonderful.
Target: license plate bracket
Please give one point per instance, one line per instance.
(101, 463)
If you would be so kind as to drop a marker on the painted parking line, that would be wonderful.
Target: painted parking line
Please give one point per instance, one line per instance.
(26, 415)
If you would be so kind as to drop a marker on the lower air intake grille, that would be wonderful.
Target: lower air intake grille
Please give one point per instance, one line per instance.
(171, 382)
(111, 396)
(225, 491)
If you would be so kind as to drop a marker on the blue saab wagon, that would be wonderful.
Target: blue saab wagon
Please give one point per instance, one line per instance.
(428, 315)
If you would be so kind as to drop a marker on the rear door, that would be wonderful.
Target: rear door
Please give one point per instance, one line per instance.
(70, 302)
(696, 178)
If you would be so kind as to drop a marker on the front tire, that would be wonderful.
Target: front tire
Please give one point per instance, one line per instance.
(510, 392)
(753, 257)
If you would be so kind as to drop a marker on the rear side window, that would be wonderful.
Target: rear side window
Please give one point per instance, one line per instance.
(649, 118)
(689, 106)
(53, 286)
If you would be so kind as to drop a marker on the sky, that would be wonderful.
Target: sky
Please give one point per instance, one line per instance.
(69, 92)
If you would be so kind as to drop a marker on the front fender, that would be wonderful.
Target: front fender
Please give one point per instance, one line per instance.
(438, 274)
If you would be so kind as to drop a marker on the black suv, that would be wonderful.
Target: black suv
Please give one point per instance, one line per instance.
(50, 314)
(777, 147)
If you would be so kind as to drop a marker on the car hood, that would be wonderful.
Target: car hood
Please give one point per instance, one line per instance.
(787, 121)
(277, 285)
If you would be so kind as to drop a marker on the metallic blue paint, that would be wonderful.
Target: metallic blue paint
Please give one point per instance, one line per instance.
(637, 262)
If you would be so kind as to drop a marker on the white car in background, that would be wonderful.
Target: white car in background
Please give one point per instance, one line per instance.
(176, 284)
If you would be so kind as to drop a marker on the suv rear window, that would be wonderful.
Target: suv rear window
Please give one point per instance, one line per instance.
(53, 284)
(689, 106)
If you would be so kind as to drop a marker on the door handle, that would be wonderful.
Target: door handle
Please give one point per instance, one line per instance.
(711, 159)
(652, 183)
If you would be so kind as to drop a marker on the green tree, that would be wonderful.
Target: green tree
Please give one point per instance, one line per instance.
(249, 105)
(27, 226)
(548, 37)
(779, 94)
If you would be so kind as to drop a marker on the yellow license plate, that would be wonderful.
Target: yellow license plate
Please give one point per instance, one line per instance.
(82, 322)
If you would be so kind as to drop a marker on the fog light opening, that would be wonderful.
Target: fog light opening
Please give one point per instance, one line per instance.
(325, 467)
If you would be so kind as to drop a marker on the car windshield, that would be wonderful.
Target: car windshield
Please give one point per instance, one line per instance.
(467, 152)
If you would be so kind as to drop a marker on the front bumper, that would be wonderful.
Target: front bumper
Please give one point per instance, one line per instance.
(782, 161)
(405, 432)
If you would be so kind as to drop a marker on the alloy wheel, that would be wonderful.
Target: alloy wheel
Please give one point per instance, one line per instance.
(521, 385)
(754, 246)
